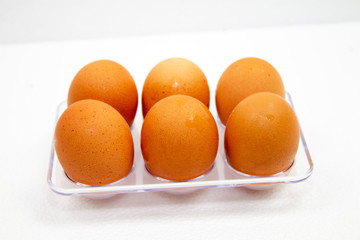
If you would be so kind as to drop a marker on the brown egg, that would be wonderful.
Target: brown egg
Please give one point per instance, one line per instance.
(93, 143)
(179, 138)
(243, 78)
(174, 76)
(262, 135)
(109, 82)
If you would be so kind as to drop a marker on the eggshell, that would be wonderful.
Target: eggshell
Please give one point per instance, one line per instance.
(109, 82)
(174, 76)
(93, 143)
(179, 138)
(262, 135)
(243, 78)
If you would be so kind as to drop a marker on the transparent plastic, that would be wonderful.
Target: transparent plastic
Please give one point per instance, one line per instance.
(140, 180)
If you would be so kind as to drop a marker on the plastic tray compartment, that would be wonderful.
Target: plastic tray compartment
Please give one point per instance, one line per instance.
(140, 180)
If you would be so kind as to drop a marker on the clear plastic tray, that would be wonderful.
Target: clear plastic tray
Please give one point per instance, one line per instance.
(140, 180)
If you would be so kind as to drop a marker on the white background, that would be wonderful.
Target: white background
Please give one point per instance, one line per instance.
(314, 45)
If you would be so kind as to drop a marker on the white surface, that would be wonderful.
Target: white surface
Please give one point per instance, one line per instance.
(43, 20)
(320, 68)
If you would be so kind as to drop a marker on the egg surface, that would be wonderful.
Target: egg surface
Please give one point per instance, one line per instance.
(109, 82)
(243, 78)
(174, 76)
(262, 135)
(179, 138)
(93, 143)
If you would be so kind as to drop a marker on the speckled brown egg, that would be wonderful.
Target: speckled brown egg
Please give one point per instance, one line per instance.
(174, 76)
(107, 81)
(93, 143)
(243, 78)
(179, 138)
(262, 135)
